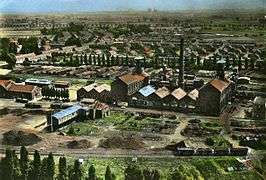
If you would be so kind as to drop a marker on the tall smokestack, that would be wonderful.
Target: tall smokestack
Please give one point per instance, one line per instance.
(220, 69)
(181, 64)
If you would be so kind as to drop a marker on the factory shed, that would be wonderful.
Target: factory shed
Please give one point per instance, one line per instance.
(143, 97)
(147, 90)
(178, 98)
(100, 92)
(192, 98)
(66, 116)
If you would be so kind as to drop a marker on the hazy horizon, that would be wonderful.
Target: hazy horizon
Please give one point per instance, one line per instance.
(50, 6)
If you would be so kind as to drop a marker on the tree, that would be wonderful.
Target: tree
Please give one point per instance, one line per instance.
(239, 63)
(86, 59)
(103, 60)
(17, 172)
(62, 169)
(92, 174)
(50, 167)
(108, 61)
(8, 166)
(246, 64)
(76, 173)
(116, 62)
(35, 171)
(108, 174)
(44, 169)
(126, 61)
(73, 41)
(151, 174)
(24, 162)
(29, 45)
(90, 60)
(9, 58)
(133, 172)
(94, 60)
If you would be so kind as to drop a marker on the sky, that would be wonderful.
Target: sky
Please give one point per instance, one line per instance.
(28, 6)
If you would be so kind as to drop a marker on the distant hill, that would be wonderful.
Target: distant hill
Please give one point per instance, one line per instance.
(118, 5)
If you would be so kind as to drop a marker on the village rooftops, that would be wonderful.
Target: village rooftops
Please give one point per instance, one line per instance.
(131, 78)
(179, 93)
(162, 92)
(220, 85)
(147, 90)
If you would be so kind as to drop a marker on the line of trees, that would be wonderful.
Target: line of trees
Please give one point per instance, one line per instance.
(24, 168)
(55, 93)
(192, 62)
(108, 60)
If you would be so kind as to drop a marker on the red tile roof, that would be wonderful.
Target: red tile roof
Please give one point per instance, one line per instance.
(21, 88)
(131, 78)
(220, 85)
(4, 83)
(13, 87)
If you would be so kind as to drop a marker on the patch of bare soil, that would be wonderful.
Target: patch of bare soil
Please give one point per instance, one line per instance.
(120, 142)
(9, 122)
(20, 138)
(79, 144)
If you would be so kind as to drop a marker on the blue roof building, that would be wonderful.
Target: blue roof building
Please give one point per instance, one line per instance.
(67, 112)
(147, 90)
(66, 116)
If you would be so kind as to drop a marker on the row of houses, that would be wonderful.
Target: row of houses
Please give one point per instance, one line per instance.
(149, 96)
(20, 58)
(10, 89)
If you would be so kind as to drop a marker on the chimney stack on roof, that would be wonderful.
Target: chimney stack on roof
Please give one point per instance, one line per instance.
(181, 64)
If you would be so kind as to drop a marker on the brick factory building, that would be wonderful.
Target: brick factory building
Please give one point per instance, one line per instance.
(10, 90)
(126, 85)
